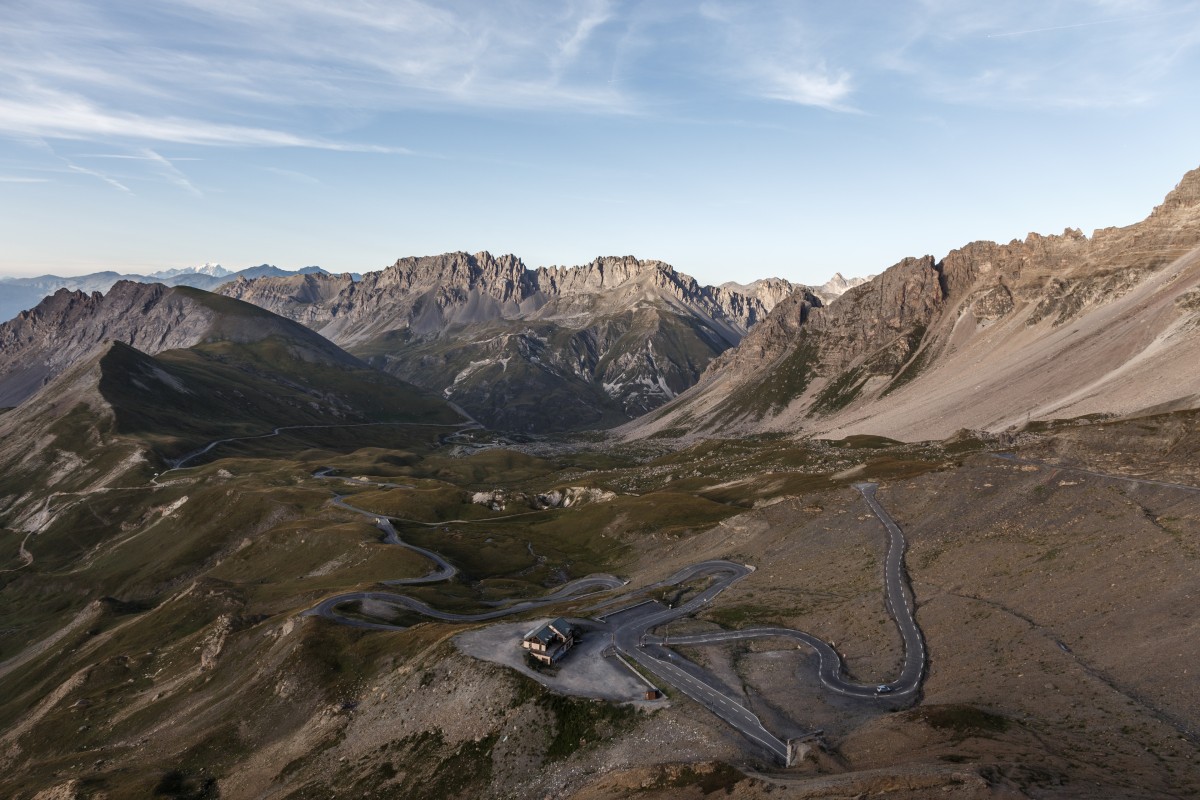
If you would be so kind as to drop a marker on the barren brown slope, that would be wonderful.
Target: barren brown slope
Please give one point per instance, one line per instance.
(989, 337)
(1134, 353)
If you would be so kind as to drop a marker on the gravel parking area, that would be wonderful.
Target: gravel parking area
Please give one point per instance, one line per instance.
(583, 672)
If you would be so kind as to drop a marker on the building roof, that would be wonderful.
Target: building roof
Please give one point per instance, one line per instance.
(557, 628)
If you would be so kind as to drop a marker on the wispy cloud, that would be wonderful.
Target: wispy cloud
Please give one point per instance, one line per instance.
(293, 175)
(260, 74)
(169, 171)
(1061, 54)
(815, 87)
(780, 55)
(164, 167)
(577, 38)
(58, 115)
(1088, 24)
(328, 76)
(113, 182)
(19, 179)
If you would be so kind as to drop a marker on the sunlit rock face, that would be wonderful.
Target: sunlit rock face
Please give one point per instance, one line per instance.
(524, 349)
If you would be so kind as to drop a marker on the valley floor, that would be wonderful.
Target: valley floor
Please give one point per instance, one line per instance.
(156, 644)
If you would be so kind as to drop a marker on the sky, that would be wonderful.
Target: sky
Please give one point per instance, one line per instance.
(732, 140)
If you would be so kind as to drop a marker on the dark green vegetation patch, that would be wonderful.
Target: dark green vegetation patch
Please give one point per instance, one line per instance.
(787, 380)
(841, 391)
(962, 720)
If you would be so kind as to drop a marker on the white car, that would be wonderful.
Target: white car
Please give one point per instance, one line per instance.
(882, 688)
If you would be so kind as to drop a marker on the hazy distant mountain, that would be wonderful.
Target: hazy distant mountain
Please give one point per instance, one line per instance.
(547, 349)
(20, 294)
(213, 270)
(990, 337)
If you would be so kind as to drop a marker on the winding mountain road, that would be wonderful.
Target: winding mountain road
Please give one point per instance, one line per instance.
(632, 638)
(328, 608)
(631, 628)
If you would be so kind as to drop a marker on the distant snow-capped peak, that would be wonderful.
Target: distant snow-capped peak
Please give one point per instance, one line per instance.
(215, 270)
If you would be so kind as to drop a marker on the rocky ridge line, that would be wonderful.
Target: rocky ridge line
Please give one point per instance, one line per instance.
(876, 338)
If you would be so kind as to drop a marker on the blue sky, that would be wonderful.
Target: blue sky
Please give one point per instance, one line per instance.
(733, 140)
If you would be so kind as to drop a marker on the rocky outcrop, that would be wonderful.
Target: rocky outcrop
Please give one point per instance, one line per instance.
(565, 497)
(987, 337)
(874, 323)
(528, 349)
(750, 304)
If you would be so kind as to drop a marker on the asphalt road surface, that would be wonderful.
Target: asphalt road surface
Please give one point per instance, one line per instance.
(630, 637)
(444, 569)
(328, 608)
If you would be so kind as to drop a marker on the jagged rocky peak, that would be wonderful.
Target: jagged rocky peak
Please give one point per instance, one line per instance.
(769, 291)
(459, 269)
(37, 345)
(1063, 275)
(615, 336)
(768, 340)
(988, 335)
(1186, 195)
(605, 272)
(750, 304)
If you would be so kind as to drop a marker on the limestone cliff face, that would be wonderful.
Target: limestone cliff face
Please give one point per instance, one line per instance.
(1052, 324)
(877, 320)
(528, 349)
(1063, 276)
(865, 319)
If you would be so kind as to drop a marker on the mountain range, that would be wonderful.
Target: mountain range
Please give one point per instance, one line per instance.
(989, 337)
(20, 294)
(528, 349)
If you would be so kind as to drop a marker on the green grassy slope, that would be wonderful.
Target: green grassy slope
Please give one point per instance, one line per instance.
(182, 398)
